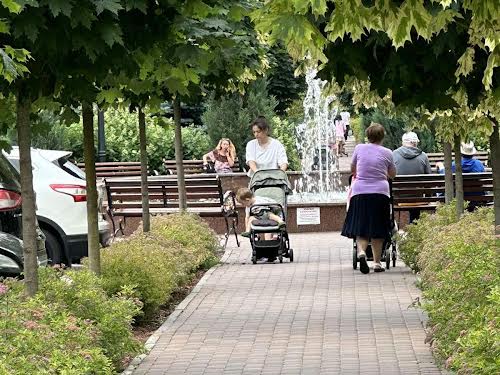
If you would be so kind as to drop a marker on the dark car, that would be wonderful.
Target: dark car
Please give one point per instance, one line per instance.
(11, 253)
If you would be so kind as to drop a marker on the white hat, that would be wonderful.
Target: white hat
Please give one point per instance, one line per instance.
(410, 137)
(467, 149)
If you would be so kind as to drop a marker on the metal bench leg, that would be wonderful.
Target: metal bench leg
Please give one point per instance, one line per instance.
(229, 230)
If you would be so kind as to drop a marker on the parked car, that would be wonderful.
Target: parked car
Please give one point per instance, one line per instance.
(11, 255)
(11, 247)
(61, 204)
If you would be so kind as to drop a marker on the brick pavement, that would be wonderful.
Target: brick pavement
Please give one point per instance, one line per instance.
(314, 316)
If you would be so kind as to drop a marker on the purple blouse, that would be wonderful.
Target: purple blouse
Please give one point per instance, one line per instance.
(372, 163)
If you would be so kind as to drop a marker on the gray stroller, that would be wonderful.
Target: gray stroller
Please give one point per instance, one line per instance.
(273, 184)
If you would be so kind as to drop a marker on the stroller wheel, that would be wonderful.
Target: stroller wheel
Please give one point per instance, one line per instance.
(394, 254)
(354, 258)
(290, 255)
(254, 259)
(281, 259)
(387, 259)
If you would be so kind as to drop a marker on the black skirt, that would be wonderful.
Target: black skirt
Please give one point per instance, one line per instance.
(369, 216)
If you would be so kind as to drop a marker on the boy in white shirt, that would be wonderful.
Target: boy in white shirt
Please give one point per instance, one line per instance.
(247, 198)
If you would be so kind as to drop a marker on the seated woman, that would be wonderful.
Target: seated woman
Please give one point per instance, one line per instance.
(223, 157)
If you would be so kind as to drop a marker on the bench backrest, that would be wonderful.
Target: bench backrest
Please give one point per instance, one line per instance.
(420, 190)
(435, 157)
(203, 191)
(192, 166)
(115, 169)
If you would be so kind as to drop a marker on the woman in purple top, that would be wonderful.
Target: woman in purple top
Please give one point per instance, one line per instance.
(368, 217)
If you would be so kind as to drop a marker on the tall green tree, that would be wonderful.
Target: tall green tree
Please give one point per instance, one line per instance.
(420, 52)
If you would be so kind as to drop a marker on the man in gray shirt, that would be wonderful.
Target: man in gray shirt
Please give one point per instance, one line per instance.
(409, 159)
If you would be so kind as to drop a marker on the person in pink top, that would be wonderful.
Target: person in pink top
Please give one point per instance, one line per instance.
(339, 136)
(368, 217)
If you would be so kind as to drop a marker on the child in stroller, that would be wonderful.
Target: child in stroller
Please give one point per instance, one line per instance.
(257, 210)
(266, 202)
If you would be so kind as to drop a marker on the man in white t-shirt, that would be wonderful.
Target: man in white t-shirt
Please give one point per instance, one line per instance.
(264, 152)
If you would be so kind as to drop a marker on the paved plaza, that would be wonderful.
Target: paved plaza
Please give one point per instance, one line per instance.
(314, 316)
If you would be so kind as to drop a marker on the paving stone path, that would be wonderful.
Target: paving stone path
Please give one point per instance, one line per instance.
(314, 316)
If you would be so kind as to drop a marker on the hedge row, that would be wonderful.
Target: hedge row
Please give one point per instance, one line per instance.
(79, 323)
(458, 262)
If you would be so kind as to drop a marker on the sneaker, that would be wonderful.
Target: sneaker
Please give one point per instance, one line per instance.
(363, 264)
(245, 234)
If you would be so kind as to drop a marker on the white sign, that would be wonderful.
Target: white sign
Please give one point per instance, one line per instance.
(308, 216)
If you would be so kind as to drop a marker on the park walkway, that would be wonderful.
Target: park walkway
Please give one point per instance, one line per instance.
(314, 316)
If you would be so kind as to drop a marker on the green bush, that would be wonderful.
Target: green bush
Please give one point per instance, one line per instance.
(411, 242)
(156, 263)
(284, 131)
(122, 139)
(458, 264)
(70, 327)
(358, 129)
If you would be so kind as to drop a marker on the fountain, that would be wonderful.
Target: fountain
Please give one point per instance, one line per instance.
(321, 180)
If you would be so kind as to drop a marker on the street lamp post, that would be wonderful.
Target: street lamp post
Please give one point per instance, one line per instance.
(101, 138)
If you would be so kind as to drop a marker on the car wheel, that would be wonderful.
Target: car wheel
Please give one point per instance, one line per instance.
(54, 248)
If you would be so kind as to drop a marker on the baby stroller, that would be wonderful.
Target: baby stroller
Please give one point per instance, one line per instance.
(389, 248)
(273, 184)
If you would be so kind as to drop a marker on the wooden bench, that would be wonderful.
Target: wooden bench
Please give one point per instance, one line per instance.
(435, 157)
(204, 197)
(424, 192)
(192, 166)
(115, 169)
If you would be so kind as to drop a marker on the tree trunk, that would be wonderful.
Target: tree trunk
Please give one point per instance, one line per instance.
(495, 166)
(448, 173)
(28, 196)
(146, 224)
(89, 155)
(179, 155)
(459, 181)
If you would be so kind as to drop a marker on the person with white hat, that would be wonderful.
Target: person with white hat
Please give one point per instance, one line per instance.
(409, 159)
(469, 165)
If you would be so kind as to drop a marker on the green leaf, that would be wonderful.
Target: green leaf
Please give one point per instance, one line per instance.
(82, 16)
(4, 27)
(465, 63)
(111, 33)
(112, 5)
(136, 4)
(109, 95)
(59, 7)
(11, 5)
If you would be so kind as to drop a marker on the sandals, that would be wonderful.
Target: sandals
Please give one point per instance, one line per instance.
(363, 264)
(377, 267)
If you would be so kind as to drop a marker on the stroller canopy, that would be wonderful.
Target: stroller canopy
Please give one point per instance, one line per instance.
(271, 183)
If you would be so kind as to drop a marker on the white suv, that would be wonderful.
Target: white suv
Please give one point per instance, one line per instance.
(61, 204)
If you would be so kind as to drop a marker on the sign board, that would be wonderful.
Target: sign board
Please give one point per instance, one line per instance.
(308, 215)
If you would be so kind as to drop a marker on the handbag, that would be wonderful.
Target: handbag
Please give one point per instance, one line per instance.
(209, 167)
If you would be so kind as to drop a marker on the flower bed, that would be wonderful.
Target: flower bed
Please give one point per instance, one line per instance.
(79, 323)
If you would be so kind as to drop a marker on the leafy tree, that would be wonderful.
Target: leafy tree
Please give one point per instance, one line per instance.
(282, 82)
(418, 52)
(229, 116)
